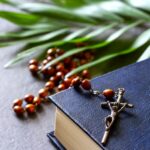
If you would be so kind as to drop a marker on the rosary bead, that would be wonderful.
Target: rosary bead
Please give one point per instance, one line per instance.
(86, 84)
(30, 108)
(60, 67)
(43, 92)
(51, 52)
(59, 51)
(74, 65)
(87, 55)
(85, 74)
(76, 81)
(33, 68)
(29, 98)
(83, 61)
(108, 93)
(61, 87)
(54, 79)
(37, 101)
(67, 61)
(50, 85)
(17, 102)
(44, 62)
(65, 71)
(67, 82)
(51, 71)
(33, 62)
(18, 110)
(50, 58)
(74, 76)
(44, 71)
(48, 71)
(59, 75)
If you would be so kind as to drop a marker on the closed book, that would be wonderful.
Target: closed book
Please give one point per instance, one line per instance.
(80, 121)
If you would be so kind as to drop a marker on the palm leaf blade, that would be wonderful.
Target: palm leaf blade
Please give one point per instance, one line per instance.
(145, 55)
(140, 41)
(20, 18)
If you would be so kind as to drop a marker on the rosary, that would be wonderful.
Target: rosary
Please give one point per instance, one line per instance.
(54, 77)
(56, 81)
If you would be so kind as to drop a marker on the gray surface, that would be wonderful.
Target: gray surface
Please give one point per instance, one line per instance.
(21, 134)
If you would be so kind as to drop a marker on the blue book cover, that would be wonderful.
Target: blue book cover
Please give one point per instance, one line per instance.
(131, 130)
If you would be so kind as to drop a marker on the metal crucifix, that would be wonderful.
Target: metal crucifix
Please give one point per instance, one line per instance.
(115, 108)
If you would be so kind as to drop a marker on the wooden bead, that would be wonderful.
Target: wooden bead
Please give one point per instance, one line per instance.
(29, 98)
(37, 101)
(33, 68)
(65, 71)
(18, 110)
(86, 84)
(59, 75)
(60, 67)
(76, 81)
(74, 76)
(43, 92)
(33, 62)
(51, 52)
(17, 102)
(61, 87)
(83, 61)
(48, 71)
(88, 55)
(44, 71)
(108, 93)
(74, 65)
(50, 85)
(44, 62)
(59, 51)
(67, 61)
(67, 82)
(50, 58)
(30, 108)
(85, 74)
(51, 71)
(54, 79)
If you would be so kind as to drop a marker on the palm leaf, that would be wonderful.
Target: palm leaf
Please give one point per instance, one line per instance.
(20, 18)
(35, 40)
(123, 9)
(145, 55)
(140, 41)
(24, 33)
(60, 23)
(110, 39)
(141, 4)
(54, 12)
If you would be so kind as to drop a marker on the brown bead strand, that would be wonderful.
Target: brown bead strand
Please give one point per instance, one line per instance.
(86, 85)
(54, 76)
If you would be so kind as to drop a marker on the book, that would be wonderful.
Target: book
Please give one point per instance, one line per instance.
(80, 119)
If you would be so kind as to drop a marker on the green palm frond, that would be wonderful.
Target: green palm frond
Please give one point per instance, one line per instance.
(104, 25)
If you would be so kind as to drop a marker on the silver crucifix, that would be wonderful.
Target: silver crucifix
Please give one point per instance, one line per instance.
(115, 108)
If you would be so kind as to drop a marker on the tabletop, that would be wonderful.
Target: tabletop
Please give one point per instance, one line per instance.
(28, 133)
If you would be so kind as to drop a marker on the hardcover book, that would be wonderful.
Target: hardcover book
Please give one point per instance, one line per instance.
(80, 119)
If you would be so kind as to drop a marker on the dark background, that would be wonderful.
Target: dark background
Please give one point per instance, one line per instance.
(28, 133)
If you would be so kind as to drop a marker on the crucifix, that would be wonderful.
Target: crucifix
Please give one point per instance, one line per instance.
(115, 108)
